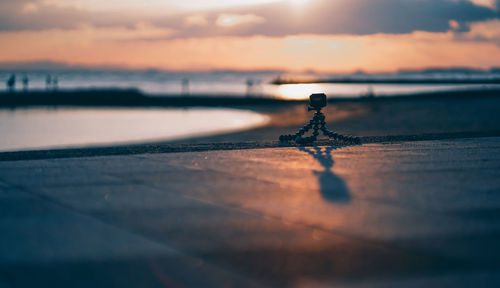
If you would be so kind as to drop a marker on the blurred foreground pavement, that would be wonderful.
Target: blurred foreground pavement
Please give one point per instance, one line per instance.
(379, 215)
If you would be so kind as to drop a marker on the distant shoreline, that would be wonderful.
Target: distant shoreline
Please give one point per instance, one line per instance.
(126, 98)
(135, 98)
(425, 116)
(389, 81)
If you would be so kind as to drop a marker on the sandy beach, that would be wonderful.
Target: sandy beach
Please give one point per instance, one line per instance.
(383, 119)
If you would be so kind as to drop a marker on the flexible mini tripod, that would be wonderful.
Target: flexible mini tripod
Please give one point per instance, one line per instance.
(317, 123)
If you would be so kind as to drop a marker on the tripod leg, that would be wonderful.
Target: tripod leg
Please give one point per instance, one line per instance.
(299, 134)
(318, 123)
(336, 136)
(340, 137)
(304, 129)
(315, 125)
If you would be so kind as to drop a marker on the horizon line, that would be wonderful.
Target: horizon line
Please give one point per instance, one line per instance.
(64, 66)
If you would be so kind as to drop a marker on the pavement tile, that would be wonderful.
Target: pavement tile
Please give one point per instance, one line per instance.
(461, 279)
(382, 215)
(59, 248)
(55, 176)
(34, 231)
(3, 284)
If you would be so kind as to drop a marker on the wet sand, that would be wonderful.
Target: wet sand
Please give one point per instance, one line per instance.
(419, 117)
(407, 118)
(412, 214)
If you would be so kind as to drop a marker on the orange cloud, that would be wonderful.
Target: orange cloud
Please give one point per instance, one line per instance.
(488, 30)
(486, 3)
(230, 20)
(147, 46)
(196, 20)
(29, 8)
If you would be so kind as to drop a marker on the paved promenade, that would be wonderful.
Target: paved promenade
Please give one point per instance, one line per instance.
(413, 214)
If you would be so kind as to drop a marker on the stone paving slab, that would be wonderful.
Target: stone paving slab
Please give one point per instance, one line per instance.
(45, 244)
(3, 285)
(36, 231)
(377, 215)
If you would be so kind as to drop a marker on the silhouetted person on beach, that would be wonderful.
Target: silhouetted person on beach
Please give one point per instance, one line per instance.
(11, 83)
(250, 84)
(26, 81)
(185, 86)
(48, 82)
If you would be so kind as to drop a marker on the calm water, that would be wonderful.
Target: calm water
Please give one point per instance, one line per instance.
(26, 129)
(236, 83)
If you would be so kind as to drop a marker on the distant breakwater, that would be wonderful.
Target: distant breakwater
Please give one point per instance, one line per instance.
(135, 98)
(389, 81)
(126, 98)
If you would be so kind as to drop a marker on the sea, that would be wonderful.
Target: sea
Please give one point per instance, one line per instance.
(63, 127)
(39, 128)
(243, 83)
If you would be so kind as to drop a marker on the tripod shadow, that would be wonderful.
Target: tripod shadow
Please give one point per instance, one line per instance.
(332, 187)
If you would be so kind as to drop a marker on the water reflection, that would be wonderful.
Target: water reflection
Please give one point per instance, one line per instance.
(39, 128)
(340, 90)
(331, 186)
(298, 91)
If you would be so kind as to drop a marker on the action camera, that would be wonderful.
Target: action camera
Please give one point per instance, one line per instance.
(317, 101)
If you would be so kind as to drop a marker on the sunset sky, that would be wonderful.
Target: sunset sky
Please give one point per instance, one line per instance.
(295, 35)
